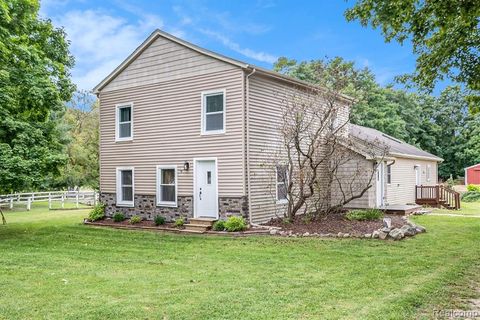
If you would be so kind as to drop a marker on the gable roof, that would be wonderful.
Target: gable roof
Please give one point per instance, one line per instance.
(397, 147)
(473, 166)
(159, 33)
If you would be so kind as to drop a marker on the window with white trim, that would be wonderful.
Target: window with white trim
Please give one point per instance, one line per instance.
(124, 122)
(213, 112)
(167, 185)
(389, 174)
(125, 187)
(281, 183)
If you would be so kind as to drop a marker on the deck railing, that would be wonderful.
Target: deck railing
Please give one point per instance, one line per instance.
(62, 197)
(437, 196)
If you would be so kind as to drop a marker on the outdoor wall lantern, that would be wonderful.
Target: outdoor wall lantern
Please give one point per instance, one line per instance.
(186, 166)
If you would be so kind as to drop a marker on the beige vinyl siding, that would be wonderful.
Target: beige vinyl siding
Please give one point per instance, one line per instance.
(264, 117)
(165, 60)
(167, 131)
(402, 188)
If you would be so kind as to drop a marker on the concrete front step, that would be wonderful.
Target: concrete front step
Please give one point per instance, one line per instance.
(202, 221)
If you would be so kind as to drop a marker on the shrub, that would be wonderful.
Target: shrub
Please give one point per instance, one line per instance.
(179, 222)
(135, 219)
(471, 196)
(118, 217)
(219, 225)
(235, 224)
(97, 213)
(367, 214)
(473, 187)
(159, 220)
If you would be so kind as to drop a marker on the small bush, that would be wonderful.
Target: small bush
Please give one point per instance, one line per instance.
(234, 223)
(361, 215)
(179, 222)
(471, 196)
(219, 225)
(97, 213)
(135, 219)
(118, 217)
(159, 220)
(473, 187)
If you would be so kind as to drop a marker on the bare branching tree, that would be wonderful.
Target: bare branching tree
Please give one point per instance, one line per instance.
(319, 166)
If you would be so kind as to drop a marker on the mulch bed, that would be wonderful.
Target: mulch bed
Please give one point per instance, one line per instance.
(334, 223)
(126, 222)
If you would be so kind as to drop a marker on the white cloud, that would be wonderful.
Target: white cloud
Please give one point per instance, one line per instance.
(100, 41)
(257, 55)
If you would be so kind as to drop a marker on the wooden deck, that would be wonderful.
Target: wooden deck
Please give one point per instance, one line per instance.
(437, 196)
(401, 208)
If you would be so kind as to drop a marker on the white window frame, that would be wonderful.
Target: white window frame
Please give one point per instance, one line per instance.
(204, 95)
(172, 204)
(117, 121)
(120, 202)
(280, 201)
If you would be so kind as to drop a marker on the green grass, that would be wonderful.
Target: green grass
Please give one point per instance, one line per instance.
(53, 267)
(466, 208)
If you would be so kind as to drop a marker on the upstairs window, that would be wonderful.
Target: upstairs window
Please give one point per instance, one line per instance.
(213, 112)
(125, 189)
(124, 122)
(167, 186)
(281, 183)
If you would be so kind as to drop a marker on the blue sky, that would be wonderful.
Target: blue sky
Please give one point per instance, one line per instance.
(103, 33)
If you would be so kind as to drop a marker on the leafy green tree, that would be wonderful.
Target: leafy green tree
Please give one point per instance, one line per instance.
(82, 121)
(445, 36)
(34, 84)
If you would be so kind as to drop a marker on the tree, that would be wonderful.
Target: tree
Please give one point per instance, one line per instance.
(445, 37)
(82, 122)
(34, 85)
(315, 146)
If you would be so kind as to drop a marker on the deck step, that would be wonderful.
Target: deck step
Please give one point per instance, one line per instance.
(202, 221)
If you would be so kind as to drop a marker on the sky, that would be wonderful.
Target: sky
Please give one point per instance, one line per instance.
(104, 33)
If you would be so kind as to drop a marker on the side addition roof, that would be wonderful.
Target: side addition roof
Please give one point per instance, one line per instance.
(397, 147)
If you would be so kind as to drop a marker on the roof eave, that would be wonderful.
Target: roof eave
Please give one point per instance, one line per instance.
(411, 156)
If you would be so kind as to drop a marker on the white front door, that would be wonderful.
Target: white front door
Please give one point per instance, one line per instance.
(380, 184)
(205, 193)
(417, 175)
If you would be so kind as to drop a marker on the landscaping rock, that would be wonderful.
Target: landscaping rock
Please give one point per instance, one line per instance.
(375, 234)
(382, 235)
(340, 234)
(367, 235)
(408, 230)
(420, 229)
(306, 234)
(396, 234)
(386, 230)
(346, 235)
(273, 232)
(387, 223)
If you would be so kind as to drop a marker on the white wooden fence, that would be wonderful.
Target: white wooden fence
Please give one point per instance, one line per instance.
(76, 197)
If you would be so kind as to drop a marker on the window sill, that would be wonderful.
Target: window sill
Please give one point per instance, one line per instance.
(125, 204)
(123, 139)
(208, 133)
(167, 204)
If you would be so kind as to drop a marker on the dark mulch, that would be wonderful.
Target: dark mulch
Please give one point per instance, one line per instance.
(334, 223)
(143, 223)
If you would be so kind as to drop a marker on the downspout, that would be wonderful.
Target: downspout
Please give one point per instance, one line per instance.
(247, 127)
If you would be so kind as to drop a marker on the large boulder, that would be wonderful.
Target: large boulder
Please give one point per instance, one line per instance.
(382, 235)
(408, 230)
(420, 229)
(396, 234)
(387, 223)
(375, 234)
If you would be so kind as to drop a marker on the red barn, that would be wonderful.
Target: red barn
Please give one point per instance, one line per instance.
(472, 174)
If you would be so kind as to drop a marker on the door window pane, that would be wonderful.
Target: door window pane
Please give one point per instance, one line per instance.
(209, 177)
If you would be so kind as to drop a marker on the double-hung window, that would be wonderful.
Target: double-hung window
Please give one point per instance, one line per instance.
(281, 176)
(167, 186)
(124, 122)
(213, 112)
(125, 186)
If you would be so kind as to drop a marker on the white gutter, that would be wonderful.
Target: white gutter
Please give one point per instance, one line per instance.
(247, 115)
(403, 155)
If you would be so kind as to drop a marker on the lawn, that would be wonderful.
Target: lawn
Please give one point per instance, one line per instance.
(466, 208)
(53, 267)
